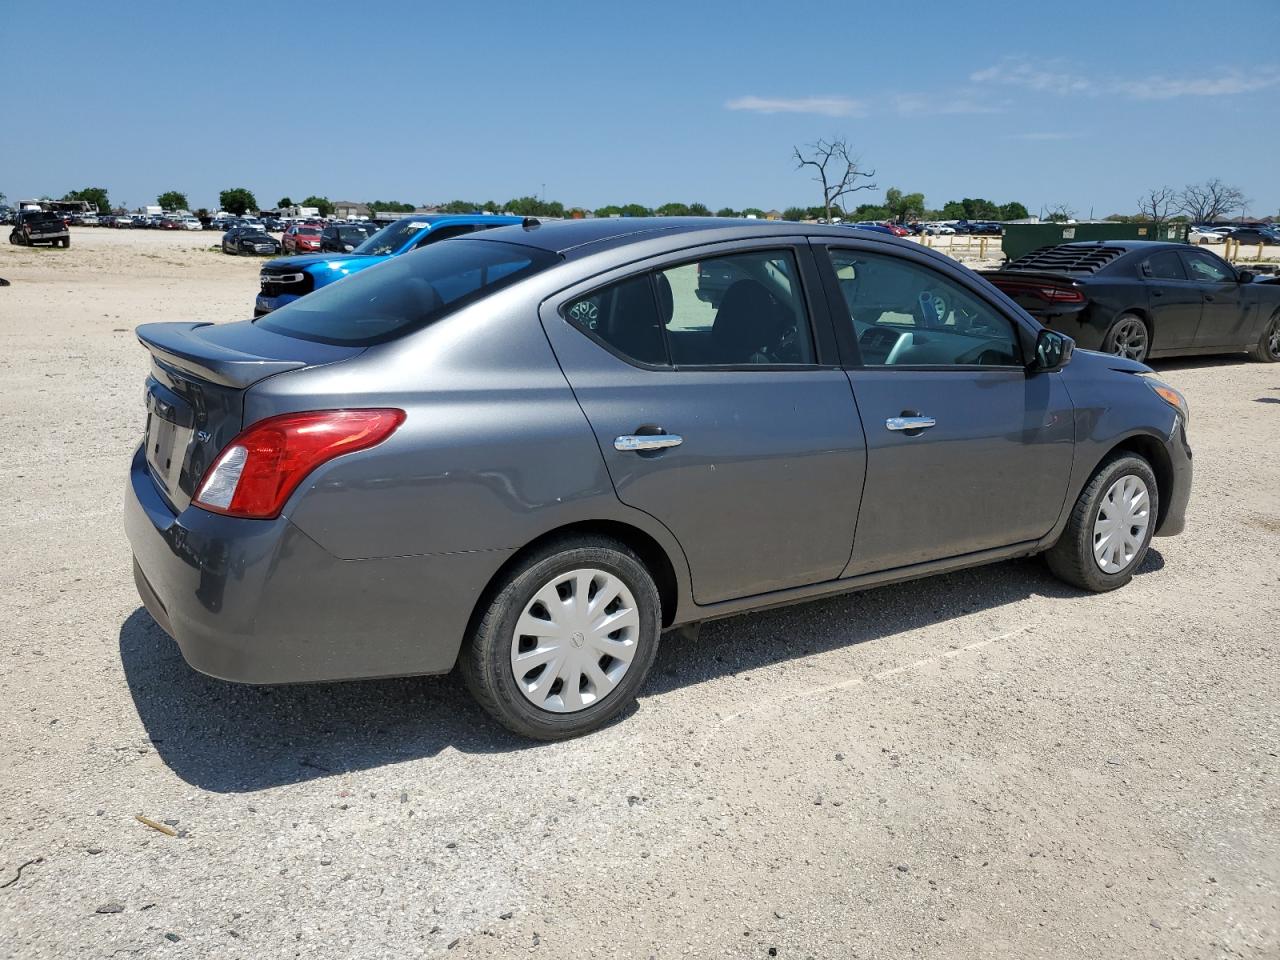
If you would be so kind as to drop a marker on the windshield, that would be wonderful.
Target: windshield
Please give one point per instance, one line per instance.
(392, 237)
(352, 234)
(405, 294)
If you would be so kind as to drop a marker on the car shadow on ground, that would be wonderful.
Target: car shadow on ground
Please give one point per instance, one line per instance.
(233, 738)
(1177, 364)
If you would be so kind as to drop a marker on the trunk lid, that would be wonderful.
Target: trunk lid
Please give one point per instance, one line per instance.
(194, 396)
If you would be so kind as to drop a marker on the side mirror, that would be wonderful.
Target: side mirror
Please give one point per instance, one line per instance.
(1245, 276)
(1053, 351)
(347, 247)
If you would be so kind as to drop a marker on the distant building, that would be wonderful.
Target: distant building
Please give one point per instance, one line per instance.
(348, 209)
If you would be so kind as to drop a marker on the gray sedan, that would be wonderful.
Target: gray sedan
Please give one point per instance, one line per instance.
(530, 451)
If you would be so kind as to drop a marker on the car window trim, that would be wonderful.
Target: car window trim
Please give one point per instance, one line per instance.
(808, 276)
(851, 351)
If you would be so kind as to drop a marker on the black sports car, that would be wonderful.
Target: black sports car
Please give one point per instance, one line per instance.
(1141, 298)
(249, 240)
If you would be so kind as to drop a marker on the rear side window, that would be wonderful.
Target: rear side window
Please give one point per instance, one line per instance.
(394, 298)
(1165, 265)
(738, 310)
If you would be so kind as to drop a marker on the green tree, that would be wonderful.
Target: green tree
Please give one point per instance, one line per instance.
(673, 210)
(284, 202)
(460, 206)
(699, 210)
(491, 206)
(323, 204)
(727, 212)
(391, 206)
(202, 213)
(795, 213)
(752, 212)
(237, 200)
(94, 195)
(903, 206)
(629, 210)
(1013, 211)
(172, 200)
(953, 210)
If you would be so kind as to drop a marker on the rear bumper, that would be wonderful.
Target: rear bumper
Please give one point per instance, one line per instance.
(1179, 450)
(258, 601)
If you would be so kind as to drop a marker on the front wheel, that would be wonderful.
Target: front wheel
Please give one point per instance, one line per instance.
(566, 642)
(1128, 337)
(1110, 528)
(1268, 346)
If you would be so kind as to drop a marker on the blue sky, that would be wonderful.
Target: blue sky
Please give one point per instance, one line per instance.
(597, 103)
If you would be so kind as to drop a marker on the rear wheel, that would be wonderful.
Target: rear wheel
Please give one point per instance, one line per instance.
(1128, 337)
(1268, 347)
(566, 642)
(1110, 528)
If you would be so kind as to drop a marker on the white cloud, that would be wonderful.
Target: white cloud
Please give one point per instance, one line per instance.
(826, 106)
(1064, 79)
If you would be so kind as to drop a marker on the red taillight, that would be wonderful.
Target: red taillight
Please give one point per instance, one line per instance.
(260, 468)
(1046, 292)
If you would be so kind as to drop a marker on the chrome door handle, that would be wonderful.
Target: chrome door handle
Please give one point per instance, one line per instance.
(651, 441)
(910, 423)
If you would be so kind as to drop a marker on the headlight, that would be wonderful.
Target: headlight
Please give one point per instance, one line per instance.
(1170, 396)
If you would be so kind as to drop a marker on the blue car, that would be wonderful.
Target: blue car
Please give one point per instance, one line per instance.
(285, 279)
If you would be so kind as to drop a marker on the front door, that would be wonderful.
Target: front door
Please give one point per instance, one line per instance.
(966, 451)
(702, 382)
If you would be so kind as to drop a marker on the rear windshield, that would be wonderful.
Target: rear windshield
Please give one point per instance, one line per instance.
(405, 294)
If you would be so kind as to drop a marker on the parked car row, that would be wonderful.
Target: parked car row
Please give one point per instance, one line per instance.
(284, 280)
(527, 451)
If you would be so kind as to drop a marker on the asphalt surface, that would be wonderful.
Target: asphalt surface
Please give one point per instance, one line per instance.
(985, 764)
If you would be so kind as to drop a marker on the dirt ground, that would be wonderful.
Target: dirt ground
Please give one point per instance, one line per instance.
(985, 764)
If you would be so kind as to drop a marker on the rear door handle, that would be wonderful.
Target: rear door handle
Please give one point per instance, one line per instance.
(650, 441)
(910, 423)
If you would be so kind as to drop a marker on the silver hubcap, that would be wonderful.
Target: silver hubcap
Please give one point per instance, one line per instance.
(1130, 339)
(1273, 338)
(1122, 524)
(575, 640)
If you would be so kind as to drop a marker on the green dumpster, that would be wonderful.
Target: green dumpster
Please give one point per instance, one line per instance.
(1022, 238)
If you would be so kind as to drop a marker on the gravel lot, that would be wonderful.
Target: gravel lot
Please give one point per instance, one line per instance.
(983, 764)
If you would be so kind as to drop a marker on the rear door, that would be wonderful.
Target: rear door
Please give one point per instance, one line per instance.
(966, 451)
(1225, 318)
(1174, 299)
(732, 423)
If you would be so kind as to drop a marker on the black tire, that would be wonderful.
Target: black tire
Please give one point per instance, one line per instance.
(66, 243)
(485, 659)
(1119, 340)
(1071, 559)
(1267, 349)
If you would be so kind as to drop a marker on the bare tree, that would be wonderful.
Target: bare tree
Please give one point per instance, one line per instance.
(1210, 201)
(836, 170)
(1057, 213)
(1157, 204)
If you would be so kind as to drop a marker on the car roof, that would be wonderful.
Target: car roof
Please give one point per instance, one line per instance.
(572, 238)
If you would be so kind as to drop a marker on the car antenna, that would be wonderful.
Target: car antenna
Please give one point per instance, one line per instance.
(530, 222)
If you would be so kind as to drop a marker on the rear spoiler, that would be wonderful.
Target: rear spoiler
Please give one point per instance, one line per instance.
(181, 346)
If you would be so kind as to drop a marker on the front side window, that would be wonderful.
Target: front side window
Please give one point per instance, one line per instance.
(1206, 268)
(407, 293)
(737, 310)
(907, 314)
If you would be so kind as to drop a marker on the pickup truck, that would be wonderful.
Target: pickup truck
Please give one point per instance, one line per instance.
(37, 226)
